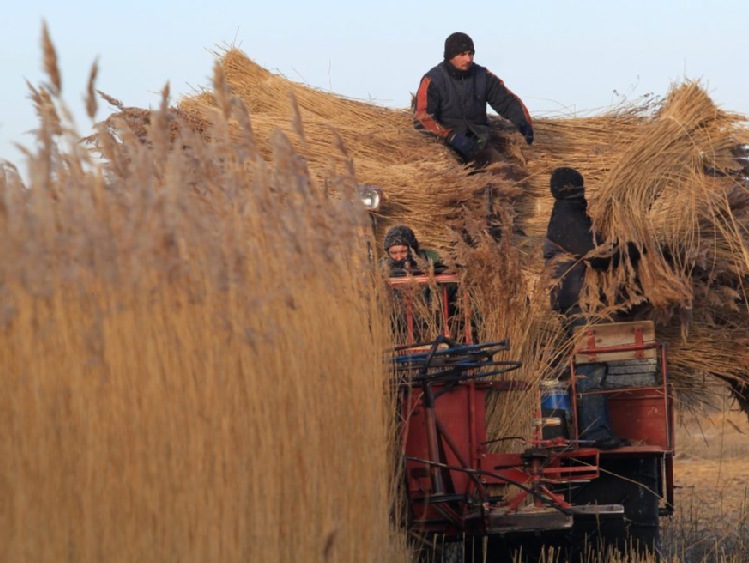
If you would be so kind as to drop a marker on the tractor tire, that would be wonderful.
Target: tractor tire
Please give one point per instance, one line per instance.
(443, 551)
(635, 484)
(453, 552)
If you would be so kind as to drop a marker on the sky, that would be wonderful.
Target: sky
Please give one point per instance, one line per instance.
(563, 58)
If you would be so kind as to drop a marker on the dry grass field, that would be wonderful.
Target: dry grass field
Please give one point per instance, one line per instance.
(711, 520)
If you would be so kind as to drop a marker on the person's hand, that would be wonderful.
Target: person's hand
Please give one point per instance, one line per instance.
(526, 130)
(464, 145)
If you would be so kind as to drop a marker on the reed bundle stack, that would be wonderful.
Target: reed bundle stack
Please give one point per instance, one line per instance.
(663, 174)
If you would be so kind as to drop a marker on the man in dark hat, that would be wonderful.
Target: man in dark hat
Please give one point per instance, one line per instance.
(451, 103)
(569, 238)
(569, 241)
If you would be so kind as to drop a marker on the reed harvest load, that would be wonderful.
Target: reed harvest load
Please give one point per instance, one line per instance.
(665, 173)
(193, 365)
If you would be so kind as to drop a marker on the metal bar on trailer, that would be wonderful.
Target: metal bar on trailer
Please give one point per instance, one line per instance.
(431, 436)
(453, 446)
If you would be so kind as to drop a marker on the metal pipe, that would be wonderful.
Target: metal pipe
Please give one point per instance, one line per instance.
(431, 435)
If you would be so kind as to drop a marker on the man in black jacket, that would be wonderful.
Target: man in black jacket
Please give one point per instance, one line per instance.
(451, 103)
(569, 240)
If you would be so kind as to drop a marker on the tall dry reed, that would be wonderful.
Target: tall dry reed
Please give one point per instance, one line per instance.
(192, 349)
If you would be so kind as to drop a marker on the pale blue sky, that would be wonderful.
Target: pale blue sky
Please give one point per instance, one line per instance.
(560, 57)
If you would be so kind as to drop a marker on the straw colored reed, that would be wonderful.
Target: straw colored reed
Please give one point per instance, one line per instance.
(661, 173)
(192, 353)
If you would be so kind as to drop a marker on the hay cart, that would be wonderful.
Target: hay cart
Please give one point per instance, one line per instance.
(466, 502)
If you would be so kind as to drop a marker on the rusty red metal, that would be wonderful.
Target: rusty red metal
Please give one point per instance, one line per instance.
(455, 485)
(642, 415)
(407, 284)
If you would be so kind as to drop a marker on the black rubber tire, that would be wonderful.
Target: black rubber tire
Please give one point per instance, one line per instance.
(633, 483)
(443, 551)
(453, 552)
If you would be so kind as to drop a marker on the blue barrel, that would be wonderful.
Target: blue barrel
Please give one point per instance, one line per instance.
(556, 397)
(556, 403)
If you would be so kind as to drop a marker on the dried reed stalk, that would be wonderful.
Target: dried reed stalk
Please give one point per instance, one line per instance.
(193, 352)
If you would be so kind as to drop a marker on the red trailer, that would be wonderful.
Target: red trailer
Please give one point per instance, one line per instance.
(467, 502)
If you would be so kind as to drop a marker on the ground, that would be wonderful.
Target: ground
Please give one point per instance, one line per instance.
(711, 519)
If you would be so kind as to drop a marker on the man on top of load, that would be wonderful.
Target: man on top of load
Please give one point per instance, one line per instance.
(451, 103)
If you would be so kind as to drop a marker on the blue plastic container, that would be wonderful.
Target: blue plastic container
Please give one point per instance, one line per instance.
(556, 397)
(556, 403)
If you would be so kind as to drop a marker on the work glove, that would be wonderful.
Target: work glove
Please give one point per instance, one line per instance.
(464, 145)
(526, 130)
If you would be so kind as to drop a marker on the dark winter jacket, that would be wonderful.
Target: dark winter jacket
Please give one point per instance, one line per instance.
(452, 100)
(569, 237)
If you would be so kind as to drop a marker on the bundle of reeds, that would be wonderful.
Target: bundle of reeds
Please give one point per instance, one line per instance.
(348, 142)
(660, 173)
(672, 184)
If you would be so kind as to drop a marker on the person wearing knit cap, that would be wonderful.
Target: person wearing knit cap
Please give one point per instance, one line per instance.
(568, 252)
(570, 239)
(404, 256)
(451, 103)
(403, 252)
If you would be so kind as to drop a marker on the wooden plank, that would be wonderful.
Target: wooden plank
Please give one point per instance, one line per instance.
(613, 335)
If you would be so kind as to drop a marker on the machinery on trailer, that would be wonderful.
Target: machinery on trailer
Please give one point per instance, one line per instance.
(551, 488)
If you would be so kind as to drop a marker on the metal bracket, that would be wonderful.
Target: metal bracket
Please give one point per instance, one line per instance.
(639, 340)
(591, 334)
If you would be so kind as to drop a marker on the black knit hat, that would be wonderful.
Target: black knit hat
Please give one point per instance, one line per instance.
(456, 44)
(567, 183)
(401, 235)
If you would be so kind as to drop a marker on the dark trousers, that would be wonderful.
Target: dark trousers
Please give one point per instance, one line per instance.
(592, 408)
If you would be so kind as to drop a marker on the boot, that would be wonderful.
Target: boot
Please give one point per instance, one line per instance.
(593, 422)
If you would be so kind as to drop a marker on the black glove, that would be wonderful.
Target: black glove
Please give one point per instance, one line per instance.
(464, 145)
(526, 130)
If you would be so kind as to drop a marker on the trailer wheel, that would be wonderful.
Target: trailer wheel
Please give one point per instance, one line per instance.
(633, 483)
(452, 552)
(442, 551)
